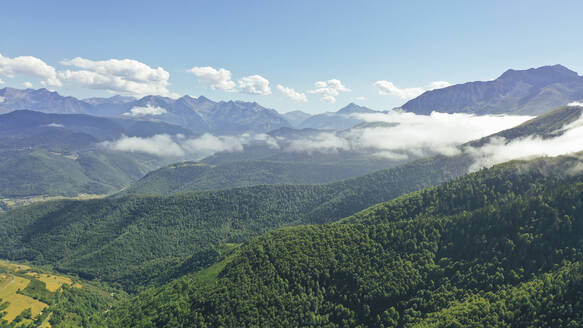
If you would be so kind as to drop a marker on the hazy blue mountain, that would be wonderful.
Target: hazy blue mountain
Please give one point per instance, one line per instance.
(296, 117)
(40, 100)
(524, 92)
(340, 120)
(25, 122)
(196, 114)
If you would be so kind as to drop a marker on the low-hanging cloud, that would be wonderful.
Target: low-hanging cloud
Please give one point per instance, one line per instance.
(576, 104)
(149, 110)
(499, 150)
(164, 145)
(399, 135)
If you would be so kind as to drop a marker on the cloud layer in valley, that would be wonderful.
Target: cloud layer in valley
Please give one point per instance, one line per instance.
(499, 150)
(164, 145)
(399, 134)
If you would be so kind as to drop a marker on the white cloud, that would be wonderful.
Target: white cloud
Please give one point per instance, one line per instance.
(125, 76)
(324, 143)
(360, 98)
(292, 94)
(217, 79)
(329, 90)
(29, 66)
(160, 145)
(27, 84)
(145, 111)
(1, 81)
(254, 85)
(328, 99)
(208, 144)
(2, 99)
(164, 145)
(388, 88)
(499, 150)
(408, 134)
(576, 103)
(55, 125)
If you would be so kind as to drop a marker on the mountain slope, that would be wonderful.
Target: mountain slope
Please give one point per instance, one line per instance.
(491, 234)
(526, 92)
(193, 176)
(295, 118)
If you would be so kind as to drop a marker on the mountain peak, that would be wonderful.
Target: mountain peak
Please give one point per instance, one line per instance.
(540, 75)
(354, 108)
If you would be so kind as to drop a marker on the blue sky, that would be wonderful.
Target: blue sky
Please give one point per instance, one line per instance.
(292, 43)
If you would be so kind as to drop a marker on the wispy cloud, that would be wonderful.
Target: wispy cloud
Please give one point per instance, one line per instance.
(389, 88)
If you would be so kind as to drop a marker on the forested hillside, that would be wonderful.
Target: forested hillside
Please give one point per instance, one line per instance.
(135, 241)
(500, 247)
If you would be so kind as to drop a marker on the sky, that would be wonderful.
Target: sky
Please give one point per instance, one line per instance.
(313, 56)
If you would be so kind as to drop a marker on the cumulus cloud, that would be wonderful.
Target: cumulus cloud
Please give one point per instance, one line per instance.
(1, 81)
(2, 99)
(27, 84)
(329, 90)
(217, 79)
(499, 150)
(125, 76)
(576, 103)
(292, 94)
(29, 66)
(148, 110)
(400, 135)
(254, 85)
(388, 88)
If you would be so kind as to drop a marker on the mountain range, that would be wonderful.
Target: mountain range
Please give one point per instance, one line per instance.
(522, 92)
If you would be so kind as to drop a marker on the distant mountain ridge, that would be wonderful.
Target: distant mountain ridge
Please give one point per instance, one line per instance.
(197, 114)
(523, 92)
(340, 120)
